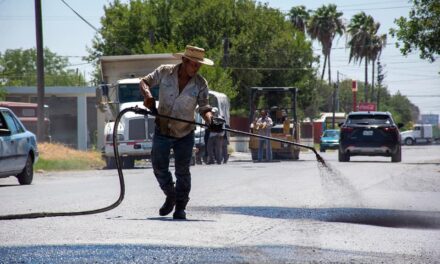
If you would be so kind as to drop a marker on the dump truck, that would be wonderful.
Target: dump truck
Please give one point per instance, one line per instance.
(119, 89)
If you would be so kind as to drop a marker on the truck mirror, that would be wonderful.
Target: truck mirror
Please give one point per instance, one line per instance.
(340, 124)
(399, 125)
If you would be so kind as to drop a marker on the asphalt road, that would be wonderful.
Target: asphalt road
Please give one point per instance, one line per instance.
(366, 211)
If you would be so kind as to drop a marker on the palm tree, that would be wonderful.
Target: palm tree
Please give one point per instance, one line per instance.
(360, 31)
(378, 43)
(324, 24)
(299, 16)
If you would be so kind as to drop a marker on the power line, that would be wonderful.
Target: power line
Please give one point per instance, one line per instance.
(82, 18)
(370, 3)
(423, 95)
(411, 80)
(376, 8)
(286, 12)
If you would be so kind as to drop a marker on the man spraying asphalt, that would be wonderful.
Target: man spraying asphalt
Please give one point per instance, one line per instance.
(181, 90)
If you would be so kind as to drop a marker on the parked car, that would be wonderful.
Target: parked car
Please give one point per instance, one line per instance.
(370, 134)
(329, 140)
(18, 148)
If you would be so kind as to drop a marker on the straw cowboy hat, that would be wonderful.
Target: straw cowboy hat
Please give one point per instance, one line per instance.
(195, 54)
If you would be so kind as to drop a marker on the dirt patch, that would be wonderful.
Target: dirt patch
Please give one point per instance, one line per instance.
(53, 153)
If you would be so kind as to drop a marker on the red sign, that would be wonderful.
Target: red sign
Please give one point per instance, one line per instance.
(354, 87)
(366, 106)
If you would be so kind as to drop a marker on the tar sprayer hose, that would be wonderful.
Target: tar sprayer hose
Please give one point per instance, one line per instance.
(146, 112)
(89, 212)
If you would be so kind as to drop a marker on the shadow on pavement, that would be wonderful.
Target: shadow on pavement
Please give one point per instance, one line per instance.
(162, 218)
(9, 185)
(363, 216)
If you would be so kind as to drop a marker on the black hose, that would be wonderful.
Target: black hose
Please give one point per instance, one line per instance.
(96, 211)
(145, 112)
(318, 157)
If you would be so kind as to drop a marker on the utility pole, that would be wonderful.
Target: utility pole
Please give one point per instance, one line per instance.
(40, 72)
(337, 91)
(225, 51)
(335, 86)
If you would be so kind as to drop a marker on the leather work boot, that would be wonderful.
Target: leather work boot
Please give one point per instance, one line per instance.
(170, 201)
(179, 213)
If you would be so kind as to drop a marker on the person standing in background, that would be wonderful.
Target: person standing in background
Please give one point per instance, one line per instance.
(215, 142)
(263, 127)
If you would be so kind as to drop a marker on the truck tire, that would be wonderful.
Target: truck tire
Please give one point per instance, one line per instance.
(342, 157)
(128, 163)
(397, 157)
(25, 177)
(110, 163)
(409, 141)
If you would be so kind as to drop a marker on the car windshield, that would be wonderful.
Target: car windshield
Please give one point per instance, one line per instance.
(331, 133)
(369, 120)
(129, 93)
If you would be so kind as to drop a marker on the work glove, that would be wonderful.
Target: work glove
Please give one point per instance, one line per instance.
(217, 124)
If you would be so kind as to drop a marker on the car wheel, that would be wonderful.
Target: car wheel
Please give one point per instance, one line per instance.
(111, 163)
(409, 141)
(128, 163)
(321, 149)
(25, 177)
(397, 157)
(342, 157)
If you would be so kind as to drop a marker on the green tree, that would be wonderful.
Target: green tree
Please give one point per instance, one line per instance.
(361, 30)
(2, 93)
(20, 69)
(299, 16)
(421, 30)
(264, 50)
(402, 109)
(323, 25)
(380, 78)
(378, 43)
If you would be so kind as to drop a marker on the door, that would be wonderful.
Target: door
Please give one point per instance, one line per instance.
(6, 149)
(16, 142)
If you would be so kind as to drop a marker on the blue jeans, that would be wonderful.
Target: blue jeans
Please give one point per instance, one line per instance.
(261, 147)
(160, 157)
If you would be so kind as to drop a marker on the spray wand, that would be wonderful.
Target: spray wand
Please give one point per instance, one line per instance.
(143, 111)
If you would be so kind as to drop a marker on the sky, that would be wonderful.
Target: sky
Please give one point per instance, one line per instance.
(67, 35)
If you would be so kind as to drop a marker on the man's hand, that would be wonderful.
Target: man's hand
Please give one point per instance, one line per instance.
(149, 101)
(216, 124)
